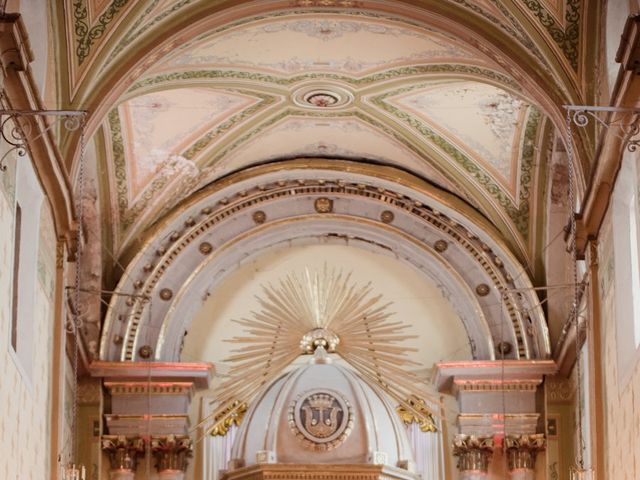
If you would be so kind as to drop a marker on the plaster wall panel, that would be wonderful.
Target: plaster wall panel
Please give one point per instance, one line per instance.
(25, 397)
(621, 382)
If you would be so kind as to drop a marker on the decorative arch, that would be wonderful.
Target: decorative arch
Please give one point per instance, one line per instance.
(380, 208)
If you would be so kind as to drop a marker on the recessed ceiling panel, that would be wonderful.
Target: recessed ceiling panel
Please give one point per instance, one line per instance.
(320, 42)
(157, 127)
(482, 120)
(348, 138)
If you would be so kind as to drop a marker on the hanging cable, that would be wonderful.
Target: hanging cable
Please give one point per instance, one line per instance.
(72, 472)
(573, 314)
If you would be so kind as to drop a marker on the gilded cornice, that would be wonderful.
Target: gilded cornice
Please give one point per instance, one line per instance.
(276, 471)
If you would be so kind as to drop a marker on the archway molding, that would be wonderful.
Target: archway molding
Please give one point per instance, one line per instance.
(384, 209)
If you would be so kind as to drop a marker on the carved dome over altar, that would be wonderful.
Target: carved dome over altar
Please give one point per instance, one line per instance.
(322, 413)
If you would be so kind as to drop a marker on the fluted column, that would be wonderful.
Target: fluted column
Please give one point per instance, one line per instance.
(474, 454)
(172, 453)
(521, 454)
(123, 455)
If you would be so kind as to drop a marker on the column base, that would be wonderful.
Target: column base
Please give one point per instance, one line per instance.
(473, 475)
(522, 474)
(121, 474)
(171, 475)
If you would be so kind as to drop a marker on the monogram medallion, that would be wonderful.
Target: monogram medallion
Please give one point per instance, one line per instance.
(321, 419)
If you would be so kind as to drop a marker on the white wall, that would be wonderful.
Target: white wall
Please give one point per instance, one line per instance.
(25, 393)
(621, 357)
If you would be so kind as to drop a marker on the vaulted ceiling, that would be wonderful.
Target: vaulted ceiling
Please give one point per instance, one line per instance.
(250, 82)
(466, 95)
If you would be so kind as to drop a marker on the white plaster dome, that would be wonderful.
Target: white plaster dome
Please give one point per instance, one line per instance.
(322, 413)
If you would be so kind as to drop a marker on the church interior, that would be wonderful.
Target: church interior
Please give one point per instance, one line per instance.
(320, 239)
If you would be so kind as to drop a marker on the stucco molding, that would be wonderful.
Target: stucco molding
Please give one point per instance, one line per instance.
(222, 217)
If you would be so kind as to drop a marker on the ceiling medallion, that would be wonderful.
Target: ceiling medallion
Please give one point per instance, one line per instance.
(483, 290)
(205, 248)
(321, 419)
(440, 246)
(145, 351)
(323, 205)
(322, 99)
(325, 97)
(166, 294)
(504, 348)
(387, 216)
(259, 217)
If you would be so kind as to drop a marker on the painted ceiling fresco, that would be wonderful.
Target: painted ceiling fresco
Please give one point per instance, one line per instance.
(158, 127)
(316, 79)
(482, 120)
(299, 44)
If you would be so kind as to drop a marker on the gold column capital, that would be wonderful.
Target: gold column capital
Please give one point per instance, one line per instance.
(522, 450)
(473, 452)
(172, 452)
(123, 451)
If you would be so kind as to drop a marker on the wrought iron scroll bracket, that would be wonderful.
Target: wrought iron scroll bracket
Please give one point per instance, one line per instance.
(18, 134)
(629, 131)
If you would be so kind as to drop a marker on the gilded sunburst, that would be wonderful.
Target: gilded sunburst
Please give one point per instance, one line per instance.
(320, 309)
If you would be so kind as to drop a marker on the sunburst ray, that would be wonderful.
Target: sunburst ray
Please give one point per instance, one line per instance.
(308, 307)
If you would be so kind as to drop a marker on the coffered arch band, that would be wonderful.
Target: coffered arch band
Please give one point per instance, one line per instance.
(325, 229)
(382, 207)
